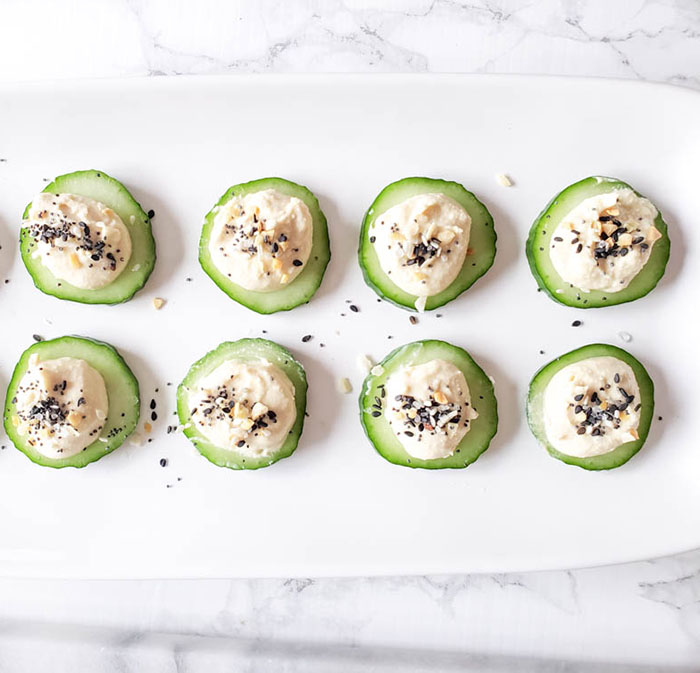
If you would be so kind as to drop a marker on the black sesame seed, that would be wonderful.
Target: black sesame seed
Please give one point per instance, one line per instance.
(297, 262)
(241, 443)
(413, 320)
(306, 338)
(37, 337)
(354, 308)
(154, 416)
(163, 462)
(576, 323)
(151, 214)
(376, 414)
(152, 405)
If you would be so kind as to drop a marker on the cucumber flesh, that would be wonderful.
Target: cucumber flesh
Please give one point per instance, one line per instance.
(539, 242)
(304, 286)
(244, 350)
(482, 241)
(122, 392)
(101, 187)
(622, 453)
(483, 400)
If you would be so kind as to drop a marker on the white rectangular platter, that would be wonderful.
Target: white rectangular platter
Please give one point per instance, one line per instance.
(336, 507)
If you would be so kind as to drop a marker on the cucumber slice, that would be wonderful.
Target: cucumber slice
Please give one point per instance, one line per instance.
(122, 392)
(539, 241)
(482, 240)
(304, 286)
(100, 187)
(244, 350)
(482, 429)
(622, 453)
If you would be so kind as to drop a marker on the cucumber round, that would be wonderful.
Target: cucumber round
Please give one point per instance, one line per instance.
(539, 241)
(622, 453)
(483, 400)
(100, 187)
(122, 393)
(244, 350)
(304, 286)
(482, 241)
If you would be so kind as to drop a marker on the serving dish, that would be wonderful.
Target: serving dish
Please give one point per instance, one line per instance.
(335, 507)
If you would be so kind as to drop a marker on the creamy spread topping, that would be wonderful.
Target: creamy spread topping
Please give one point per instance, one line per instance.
(591, 407)
(60, 406)
(605, 241)
(428, 408)
(245, 407)
(79, 240)
(262, 241)
(421, 242)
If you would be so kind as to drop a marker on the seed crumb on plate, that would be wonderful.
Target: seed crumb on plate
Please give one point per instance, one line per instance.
(364, 364)
(344, 385)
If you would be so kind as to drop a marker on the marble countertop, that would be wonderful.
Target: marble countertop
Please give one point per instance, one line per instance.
(641, 616)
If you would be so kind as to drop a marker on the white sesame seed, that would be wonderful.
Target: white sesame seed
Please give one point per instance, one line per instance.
(625, 336)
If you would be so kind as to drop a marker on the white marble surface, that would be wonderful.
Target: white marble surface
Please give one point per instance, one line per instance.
(642, 616)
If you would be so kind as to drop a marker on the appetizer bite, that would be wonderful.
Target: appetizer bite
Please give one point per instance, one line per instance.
(424, 242)
(86, 239)
(429, 405)
(592, 407)
(71, 401)
(265, 244)
(242, 405)
(598, 243)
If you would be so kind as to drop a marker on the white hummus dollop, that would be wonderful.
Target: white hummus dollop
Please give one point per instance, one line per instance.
(429, 408)
(245, 407)
(591, 407)
(421, 243)
(605, 241)
(262, 240)
(79, 240)
(61, 406)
